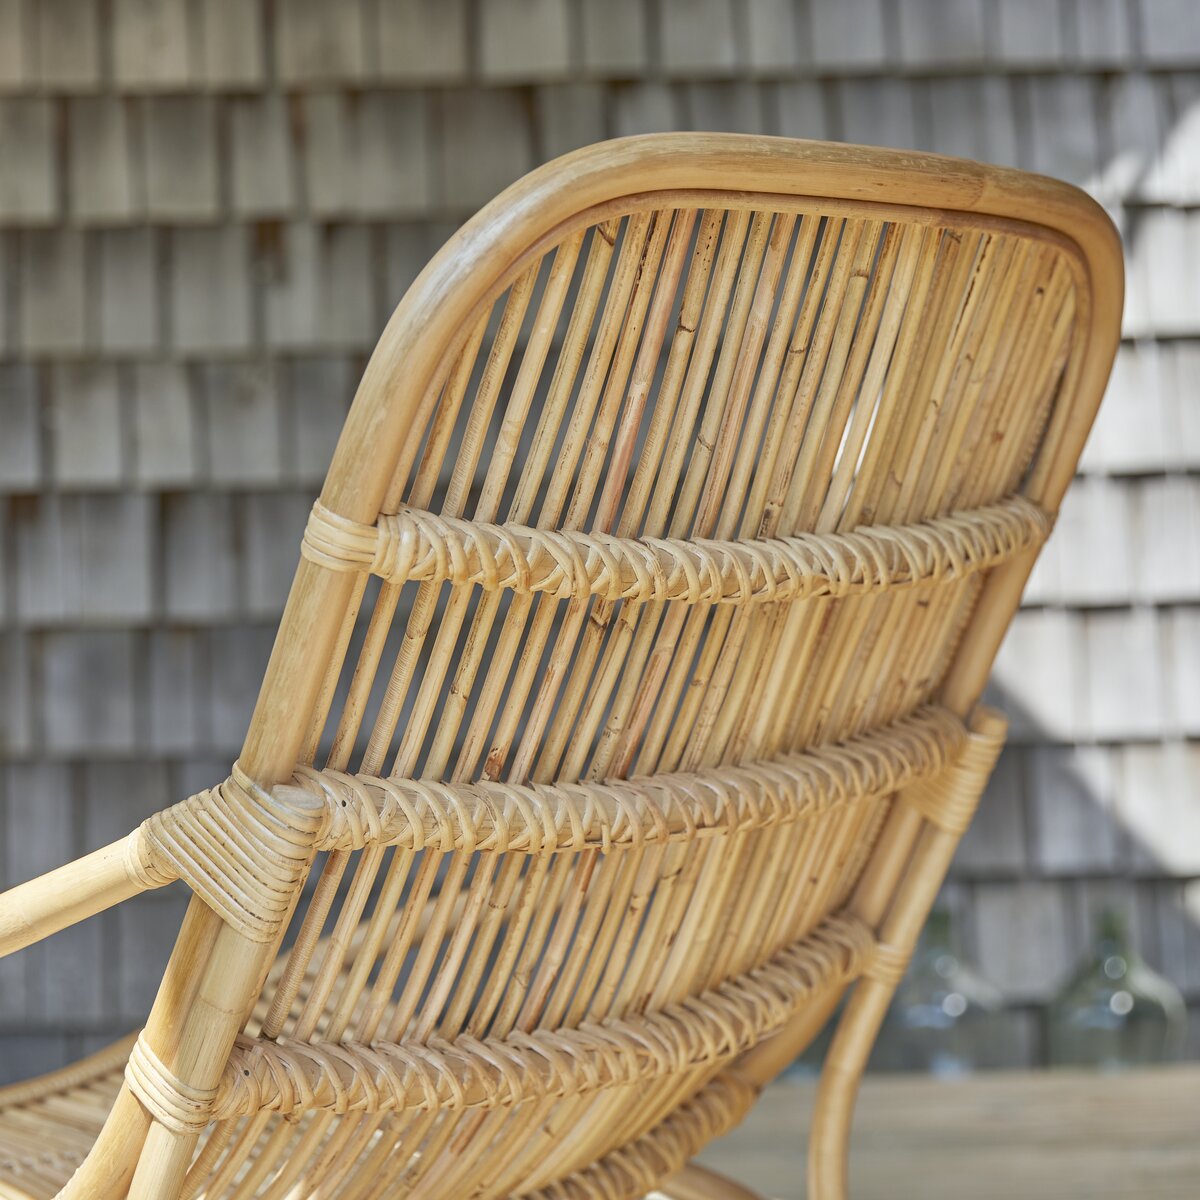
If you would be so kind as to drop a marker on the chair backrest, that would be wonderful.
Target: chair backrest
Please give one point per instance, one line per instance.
(680, 512)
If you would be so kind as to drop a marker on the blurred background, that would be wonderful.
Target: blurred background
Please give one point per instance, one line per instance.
(208, 208)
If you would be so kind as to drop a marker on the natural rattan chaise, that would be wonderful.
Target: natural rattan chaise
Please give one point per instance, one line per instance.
(685, 502)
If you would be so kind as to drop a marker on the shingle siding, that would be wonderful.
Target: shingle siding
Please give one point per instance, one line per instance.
(207, 212)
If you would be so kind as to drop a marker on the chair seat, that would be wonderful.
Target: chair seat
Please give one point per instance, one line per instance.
(48, 1124)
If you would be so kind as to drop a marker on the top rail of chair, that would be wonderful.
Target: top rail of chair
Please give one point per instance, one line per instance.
(739, 170)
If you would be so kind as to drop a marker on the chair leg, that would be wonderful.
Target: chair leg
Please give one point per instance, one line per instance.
(945, 807)
(699, 1183)
(833, 1114)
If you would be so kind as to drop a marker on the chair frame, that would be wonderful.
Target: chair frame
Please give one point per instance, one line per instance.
(217, 971)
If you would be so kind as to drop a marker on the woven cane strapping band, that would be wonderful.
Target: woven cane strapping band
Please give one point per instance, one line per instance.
(887, 964)
(417, 545)
(240, 848)
(170, 1101)
(949, 799)
(537, 818)
(244, 850)
(708, 1029)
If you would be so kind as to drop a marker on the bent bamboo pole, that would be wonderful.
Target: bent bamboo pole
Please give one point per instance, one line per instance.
(72, 893)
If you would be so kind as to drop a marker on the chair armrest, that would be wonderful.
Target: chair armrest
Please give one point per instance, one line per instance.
(42, 906)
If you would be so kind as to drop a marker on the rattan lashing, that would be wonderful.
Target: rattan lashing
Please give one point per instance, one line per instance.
(701, 476)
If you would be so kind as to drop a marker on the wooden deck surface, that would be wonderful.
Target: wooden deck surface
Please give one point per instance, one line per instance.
(1010, 1136)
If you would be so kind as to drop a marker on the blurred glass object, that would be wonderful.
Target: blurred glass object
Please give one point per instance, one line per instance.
(1115, 1011)
(944, 1011)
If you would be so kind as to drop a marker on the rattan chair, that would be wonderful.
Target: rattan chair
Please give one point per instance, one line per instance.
(624, 712)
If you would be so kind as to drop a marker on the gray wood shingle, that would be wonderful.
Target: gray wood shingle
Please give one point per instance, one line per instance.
(102, 186)
(151, 46)
(318, 42)
(1028, 32)
(68, 40)
(177, 684)
(272, 525)
(118, 796)
(16, 44)
(879, 110)
(20, 417)
(974, 117)
(422, 41)
(28, 160)
(570, 115)
(129, 307)
(1023, 934)
(368, 155)
(1181, 640)
(1093, 543)
(86, 434)
(166, 452)
(524, 39)
(316, 395)
(1101, 31)
(237, 657)
(1038, 675)
(995, 843)
(848, 34)
(210, 289)
(180, 158)
(1075, 829)
(725, 106)
(262, 167)
(485, 142)
(1135, 121)
(1063, 138)
(85, 559)
(241, 408)
(1169, 31)
(16, 711)
(233, 43)
(1166, 540)
(614, 36)
(200, 556)
(698, 36)
(802, 110)
(1133, 430)
(88, 691)
(772, 35)
(1157, 804)
(941, 32)
(643, 108)
(1126, 689)
(319, 293)
(52, 308)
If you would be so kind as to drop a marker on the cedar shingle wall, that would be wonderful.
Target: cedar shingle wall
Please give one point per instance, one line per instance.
(207, 211)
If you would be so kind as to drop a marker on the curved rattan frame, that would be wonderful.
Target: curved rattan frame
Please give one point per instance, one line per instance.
(231, 931)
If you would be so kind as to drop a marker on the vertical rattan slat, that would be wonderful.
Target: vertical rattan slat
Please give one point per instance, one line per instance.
(624, 712)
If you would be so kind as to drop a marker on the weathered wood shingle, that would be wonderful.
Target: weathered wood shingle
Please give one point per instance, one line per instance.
(68, 44)
(102, 186)
(28, 160)
(209, 294)
(151, 47)
(316, 42)
(207, 212)
(422, 41)
(524, 39)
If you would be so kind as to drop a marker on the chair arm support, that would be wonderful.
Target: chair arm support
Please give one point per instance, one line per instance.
(34, 910)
